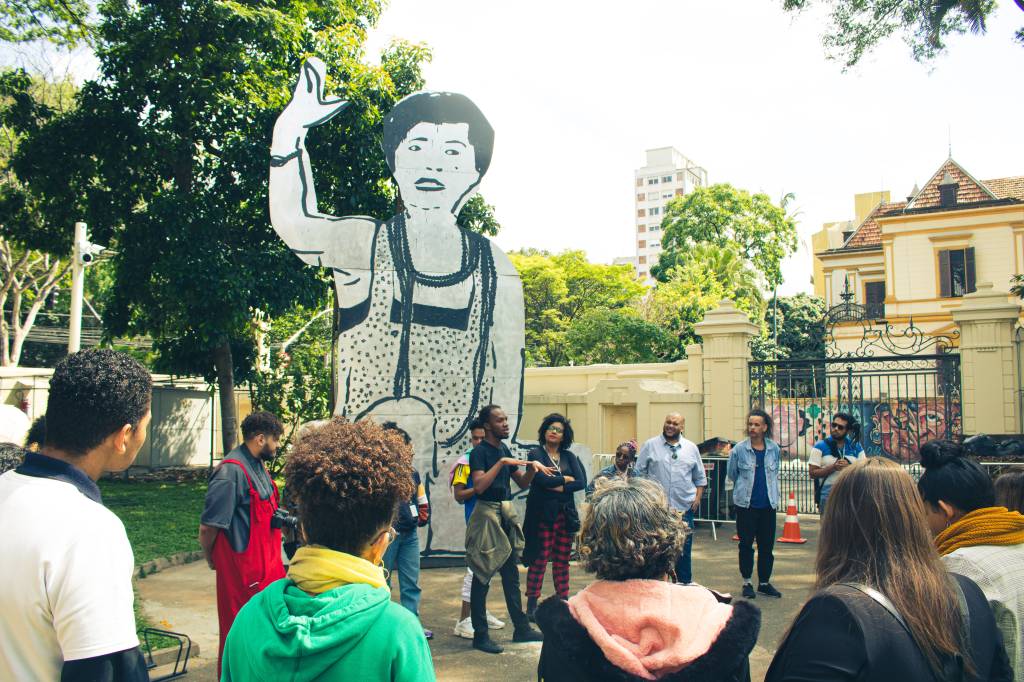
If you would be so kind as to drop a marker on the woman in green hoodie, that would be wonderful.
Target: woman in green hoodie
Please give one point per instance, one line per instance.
(332, 617)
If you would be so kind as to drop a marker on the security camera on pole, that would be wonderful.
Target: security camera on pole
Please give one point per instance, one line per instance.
(84, 253)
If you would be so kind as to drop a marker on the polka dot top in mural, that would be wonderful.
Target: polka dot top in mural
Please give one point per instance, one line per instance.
(446, 361)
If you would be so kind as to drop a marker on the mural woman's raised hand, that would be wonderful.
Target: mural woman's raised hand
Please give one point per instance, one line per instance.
(307, 109)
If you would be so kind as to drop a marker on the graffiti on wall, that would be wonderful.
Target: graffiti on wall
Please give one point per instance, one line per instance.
(894, 428)
(898, 428)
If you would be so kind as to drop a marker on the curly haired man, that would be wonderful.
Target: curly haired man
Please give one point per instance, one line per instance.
(65, 559)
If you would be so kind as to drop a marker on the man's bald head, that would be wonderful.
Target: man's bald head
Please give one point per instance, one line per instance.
(673, 426)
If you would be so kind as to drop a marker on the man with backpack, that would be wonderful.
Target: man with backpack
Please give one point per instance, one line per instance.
(830, 456)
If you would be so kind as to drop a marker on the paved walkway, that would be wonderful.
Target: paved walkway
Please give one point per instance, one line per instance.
(183, 598)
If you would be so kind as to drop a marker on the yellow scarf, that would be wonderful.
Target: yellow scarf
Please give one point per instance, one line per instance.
(986, 526)
(316, 569)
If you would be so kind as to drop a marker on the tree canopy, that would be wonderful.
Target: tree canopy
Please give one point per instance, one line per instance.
(707, 274)
(62, 22)
(177, 181)
(761, 232)
(857, 26)
(800, 327)
(478, 216)
(561, 290)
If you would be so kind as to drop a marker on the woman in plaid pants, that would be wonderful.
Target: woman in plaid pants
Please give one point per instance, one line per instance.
(551, 519)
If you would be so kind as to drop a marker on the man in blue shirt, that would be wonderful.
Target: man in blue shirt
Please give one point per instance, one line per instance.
(675, 463)
(830, 456)
(754, 470)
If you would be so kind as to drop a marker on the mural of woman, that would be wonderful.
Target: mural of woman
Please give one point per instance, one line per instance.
(431, 315)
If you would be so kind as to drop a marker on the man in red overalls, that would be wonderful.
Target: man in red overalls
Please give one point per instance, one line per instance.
(235, 531)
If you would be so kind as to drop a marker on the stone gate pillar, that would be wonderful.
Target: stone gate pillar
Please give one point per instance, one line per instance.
(988, 361)
(726, 332)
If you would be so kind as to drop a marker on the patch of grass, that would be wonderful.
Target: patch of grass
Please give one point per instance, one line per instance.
(156, 642)
(161, 518)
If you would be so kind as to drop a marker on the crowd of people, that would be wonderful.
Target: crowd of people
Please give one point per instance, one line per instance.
(913, 581)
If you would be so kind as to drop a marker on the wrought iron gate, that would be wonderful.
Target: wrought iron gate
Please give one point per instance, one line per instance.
(902, 386)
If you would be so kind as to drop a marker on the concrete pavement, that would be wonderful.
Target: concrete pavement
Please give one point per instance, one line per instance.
(183, 598)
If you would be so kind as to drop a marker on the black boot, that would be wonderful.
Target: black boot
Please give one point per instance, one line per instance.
(531, 609)
(524, 633)
(482, 642)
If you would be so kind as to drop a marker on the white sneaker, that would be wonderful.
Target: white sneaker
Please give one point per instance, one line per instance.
(493, 623)
(464, 628)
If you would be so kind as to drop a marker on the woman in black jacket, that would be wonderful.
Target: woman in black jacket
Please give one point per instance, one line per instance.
(885, 609)
(551, 519)
(633, 623)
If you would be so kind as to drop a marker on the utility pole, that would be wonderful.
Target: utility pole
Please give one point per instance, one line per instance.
(83, 254)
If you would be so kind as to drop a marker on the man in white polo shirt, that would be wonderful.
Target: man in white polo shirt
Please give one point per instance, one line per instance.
(66, 565)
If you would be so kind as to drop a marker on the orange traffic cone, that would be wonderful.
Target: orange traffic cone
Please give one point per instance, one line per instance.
(791, 531)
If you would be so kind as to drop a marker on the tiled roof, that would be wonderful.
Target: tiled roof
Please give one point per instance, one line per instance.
(868, 233)
(1007, 188)
(970, 190)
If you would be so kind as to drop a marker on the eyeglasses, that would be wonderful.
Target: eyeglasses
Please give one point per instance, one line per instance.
(838, 427)
(556, 429)
(675, 451)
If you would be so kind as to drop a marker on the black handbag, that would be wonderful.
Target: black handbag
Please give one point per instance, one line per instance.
(953, 667)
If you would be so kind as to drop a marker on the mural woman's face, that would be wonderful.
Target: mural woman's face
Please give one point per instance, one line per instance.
(435, 166)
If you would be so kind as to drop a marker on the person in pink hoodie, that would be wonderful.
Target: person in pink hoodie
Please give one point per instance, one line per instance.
(634, 622)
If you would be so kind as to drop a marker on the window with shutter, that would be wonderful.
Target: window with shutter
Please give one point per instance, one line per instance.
(944, 286)
(969, 267)
(874, 299)
(956, 272)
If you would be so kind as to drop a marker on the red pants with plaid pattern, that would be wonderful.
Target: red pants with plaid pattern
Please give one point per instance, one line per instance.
(555, 546)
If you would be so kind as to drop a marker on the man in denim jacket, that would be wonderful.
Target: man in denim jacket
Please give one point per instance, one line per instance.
(754, 470)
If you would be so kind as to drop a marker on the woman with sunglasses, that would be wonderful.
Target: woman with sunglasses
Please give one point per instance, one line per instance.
(551, 519)
(831, 455)
(332, 616)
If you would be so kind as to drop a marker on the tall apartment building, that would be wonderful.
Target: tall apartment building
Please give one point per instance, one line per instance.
(668, 174)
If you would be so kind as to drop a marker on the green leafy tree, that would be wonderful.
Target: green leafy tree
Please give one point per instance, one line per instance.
(722, 215)
(799, 325)
(707, 274)
(293, 375)
(166, 157)
(62, 22)
(559, 290)
(617, 336)
(28, 275)
(478, 216)
(1017, 286)
(857, 26)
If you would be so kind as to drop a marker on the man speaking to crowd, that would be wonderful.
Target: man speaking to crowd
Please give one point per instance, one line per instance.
(235, 531)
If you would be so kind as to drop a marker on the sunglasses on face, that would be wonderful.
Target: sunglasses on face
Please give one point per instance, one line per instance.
(556, 429)
(838, 427)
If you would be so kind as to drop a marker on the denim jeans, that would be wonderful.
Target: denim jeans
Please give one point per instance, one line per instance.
(404, 553)
(684, 574)
(824, 498)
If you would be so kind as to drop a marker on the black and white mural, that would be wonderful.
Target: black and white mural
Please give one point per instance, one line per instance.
(431, 315)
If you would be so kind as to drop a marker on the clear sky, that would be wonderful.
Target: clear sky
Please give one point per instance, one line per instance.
(577, 91)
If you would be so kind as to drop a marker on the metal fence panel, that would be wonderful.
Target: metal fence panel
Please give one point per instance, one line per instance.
(900, 403)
